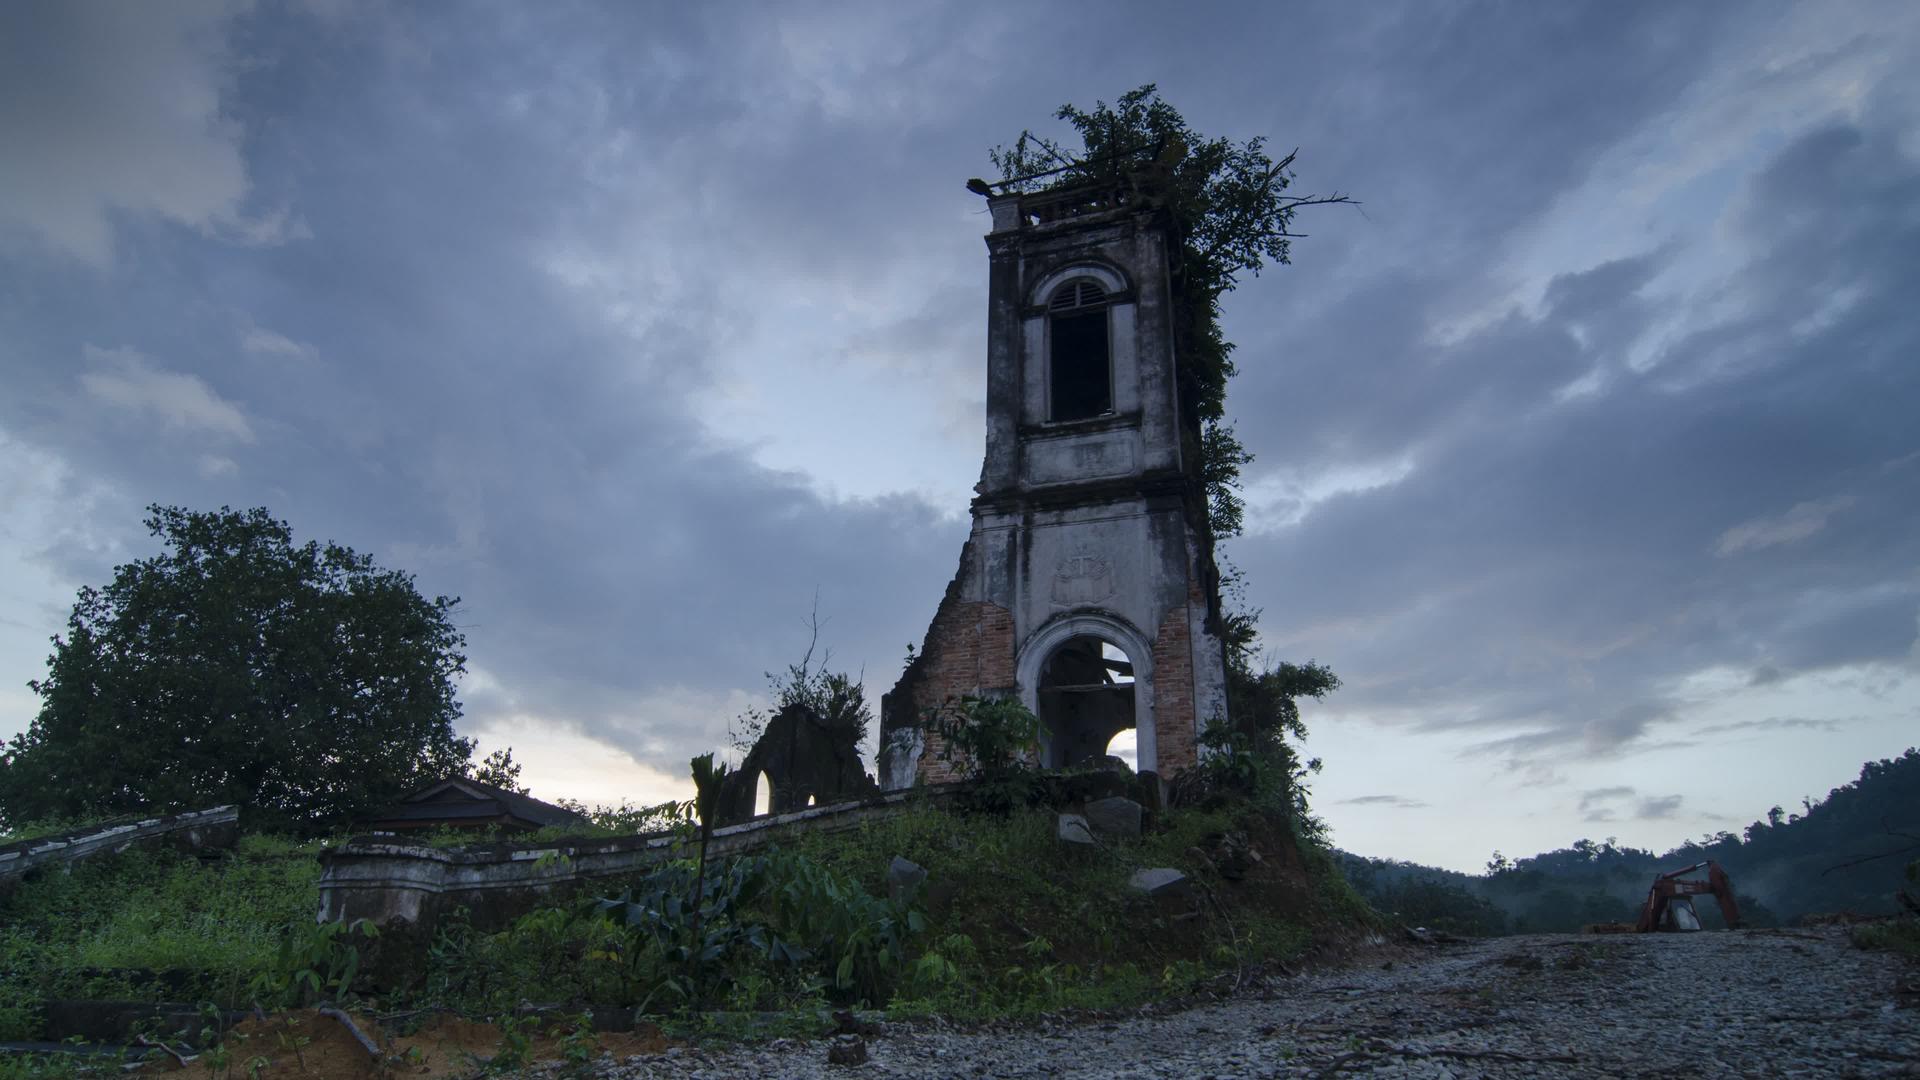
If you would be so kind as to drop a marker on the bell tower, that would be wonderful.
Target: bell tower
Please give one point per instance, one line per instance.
(1087, 588)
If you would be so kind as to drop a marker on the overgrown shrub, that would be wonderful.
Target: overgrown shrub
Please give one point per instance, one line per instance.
(755, 933)
(994, 741)
(152, 924)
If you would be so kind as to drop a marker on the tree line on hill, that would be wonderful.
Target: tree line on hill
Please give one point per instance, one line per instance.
(1845, 853)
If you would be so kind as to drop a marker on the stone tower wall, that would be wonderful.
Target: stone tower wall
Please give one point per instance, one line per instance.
(1083, 525)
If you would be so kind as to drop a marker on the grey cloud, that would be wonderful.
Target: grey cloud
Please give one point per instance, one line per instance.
(1798, 523)
(1596, 798)
(120, 105)
(1657, 809)
(264, 342)
(1398, 802)
(125, 380)
(539, 233)
(1771, 723)
(1549, 561)
(1598, 805)
(462, 406)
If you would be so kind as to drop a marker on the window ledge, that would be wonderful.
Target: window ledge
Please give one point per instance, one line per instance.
(1103, 422)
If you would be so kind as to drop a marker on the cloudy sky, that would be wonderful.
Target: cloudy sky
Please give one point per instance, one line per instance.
(1588, 448)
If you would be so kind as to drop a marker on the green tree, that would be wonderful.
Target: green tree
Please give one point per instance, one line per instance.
(498, 769)
(300, 681)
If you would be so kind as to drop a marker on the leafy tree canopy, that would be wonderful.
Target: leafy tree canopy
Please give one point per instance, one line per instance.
(498, 769)
(300, 681)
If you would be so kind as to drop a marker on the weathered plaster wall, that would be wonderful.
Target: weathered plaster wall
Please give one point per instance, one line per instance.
(386, 880)
(216, 827)
(1085, 525)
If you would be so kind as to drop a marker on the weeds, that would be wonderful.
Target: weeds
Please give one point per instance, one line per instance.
(1898, 935)
(1008, 924)
(516, 1043)
(147, 925)
(581, 1044)
(315, 960)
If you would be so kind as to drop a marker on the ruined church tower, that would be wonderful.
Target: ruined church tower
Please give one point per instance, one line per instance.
(1087, 588)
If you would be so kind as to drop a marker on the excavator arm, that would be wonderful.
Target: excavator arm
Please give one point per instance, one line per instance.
(1671, 886)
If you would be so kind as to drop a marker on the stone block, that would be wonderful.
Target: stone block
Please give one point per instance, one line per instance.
(1159, 881)
(1115, 816)
(904, 878)
(1150, 790)
(1073, 829)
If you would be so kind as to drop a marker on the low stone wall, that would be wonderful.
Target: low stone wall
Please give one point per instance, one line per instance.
(217, 827)
(386, 880)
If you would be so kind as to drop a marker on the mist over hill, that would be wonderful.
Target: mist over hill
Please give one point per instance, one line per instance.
(1846, 852)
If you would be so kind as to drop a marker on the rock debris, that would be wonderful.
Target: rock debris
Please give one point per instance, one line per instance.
(1762, 1003)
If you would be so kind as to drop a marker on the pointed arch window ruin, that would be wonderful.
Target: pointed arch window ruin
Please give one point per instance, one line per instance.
(1079, 360)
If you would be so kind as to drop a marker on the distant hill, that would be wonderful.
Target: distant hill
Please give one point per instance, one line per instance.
(1846, 852)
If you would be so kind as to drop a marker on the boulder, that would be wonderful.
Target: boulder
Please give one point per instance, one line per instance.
(1150, 790)
(1115, 816)
(847, 1050)
(904, 878)
(1159, 881)
(1073, 829)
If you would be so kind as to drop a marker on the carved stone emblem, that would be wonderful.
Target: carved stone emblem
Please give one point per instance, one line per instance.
(1083, 578)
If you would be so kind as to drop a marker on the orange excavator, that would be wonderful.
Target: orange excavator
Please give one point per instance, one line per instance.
(1669, 903)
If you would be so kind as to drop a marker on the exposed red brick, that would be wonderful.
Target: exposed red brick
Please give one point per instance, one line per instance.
(1173, 693)
(968, 650)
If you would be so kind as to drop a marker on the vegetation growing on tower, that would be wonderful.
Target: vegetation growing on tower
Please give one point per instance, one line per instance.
(1230, 204)
(1233, 212)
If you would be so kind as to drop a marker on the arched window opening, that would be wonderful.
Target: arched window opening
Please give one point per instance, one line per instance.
(1125, 745)
(1086, 698)
(1080, 369)
(762, 795)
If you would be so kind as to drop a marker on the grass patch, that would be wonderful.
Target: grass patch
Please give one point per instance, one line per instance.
(1897, 936)
(1020, 924)
(1010, 923)
(151, 924)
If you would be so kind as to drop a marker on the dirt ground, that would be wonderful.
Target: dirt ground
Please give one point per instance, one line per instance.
(309, 1045)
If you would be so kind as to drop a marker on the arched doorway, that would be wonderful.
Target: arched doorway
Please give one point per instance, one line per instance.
(1086, 697)
(1088, 676)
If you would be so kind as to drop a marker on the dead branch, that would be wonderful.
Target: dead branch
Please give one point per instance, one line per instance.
(347, 1022)
(1896, 853)
(176, 1055)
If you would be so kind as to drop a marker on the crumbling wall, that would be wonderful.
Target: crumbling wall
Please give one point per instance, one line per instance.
(806, 758)
(969, 649)
(190, 831)
(389, 880)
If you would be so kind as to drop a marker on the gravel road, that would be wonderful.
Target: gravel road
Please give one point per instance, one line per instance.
(1759, 1003)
